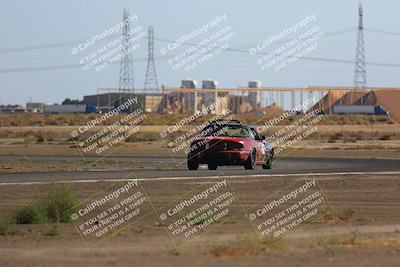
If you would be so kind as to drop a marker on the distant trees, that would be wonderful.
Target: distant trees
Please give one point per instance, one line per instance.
(69, 101)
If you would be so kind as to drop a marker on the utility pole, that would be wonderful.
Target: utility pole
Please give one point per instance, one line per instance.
(360, 72)
(126, 80)
(151, 82)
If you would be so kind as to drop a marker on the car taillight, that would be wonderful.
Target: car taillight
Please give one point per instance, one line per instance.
(237, 146)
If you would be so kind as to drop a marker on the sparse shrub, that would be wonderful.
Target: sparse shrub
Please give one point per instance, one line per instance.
(54, 230)
(40, 138)
(59, 202)
(250, 245)
(346, 215)
(15, 231)
(3, 225)
(382, 119)
(357, 136)
(52, 209)
(33, 213)
(334, 137)
(29, 139)
(385, 137)
(336, 216)
(175, 251)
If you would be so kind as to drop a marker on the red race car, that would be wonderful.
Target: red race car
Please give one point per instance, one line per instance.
(229, 143)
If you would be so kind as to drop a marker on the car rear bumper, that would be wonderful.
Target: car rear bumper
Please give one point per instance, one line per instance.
(228, 157)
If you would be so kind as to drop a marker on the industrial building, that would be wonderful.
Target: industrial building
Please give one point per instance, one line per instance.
(11, 109)
(254, 98)
(107, 99)
(64, 109)
(182, 101)
(388, 99)
(35, 107)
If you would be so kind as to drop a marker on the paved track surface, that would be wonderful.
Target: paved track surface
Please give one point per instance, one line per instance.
(282, 166)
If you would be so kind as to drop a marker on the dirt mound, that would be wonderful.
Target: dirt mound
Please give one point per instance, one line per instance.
(389, 99)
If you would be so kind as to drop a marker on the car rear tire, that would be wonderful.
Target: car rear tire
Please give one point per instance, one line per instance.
(193, 165)
(212, 166)
(268, 164)
(251, 161)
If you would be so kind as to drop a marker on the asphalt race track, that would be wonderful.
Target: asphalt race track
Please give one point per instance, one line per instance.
(289, 166)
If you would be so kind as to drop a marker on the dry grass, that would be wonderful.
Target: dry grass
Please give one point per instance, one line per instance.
(41, 128)
(30, 119)
(248, 246)
(335, 216)
(326, 133)
(24, 165)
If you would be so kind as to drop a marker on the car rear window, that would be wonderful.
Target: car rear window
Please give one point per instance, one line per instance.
(227, 130)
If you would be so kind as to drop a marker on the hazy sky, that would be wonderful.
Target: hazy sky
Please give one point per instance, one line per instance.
(41, 22)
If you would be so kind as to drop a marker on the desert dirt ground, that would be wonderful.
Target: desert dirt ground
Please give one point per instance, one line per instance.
(21, 143)
(27, 158)
(364, 230)
(362, 227)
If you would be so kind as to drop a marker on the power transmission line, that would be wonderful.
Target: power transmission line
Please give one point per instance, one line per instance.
(383, 32)
(304, 57)
(75, 42)
(42, 68)
(38, 47)
(245, 51)
(57, 67)
(143, 59)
